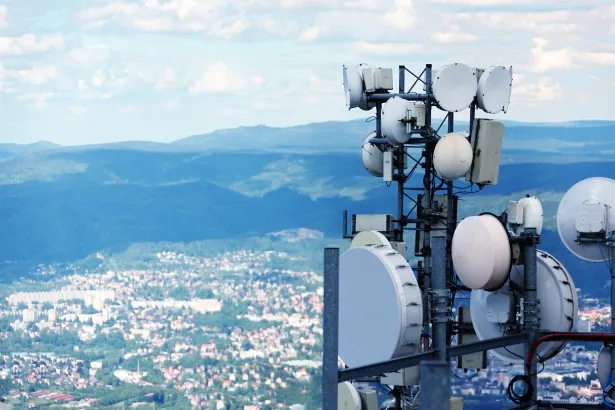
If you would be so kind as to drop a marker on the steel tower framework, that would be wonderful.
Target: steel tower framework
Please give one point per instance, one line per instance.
(435, 273)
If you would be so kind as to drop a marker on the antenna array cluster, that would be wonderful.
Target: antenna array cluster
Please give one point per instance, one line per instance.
(397, 323)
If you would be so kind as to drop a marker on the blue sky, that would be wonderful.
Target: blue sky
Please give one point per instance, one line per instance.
(78, 72)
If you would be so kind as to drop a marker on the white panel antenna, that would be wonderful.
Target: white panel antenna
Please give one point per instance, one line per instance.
(586, 211)
(481, 235)
(494, 89)
(387, 166)
(526, 213)
(494, 314)
(454, 87)
(415, 116)
(452, 156)
(380, 306)
(487, 140)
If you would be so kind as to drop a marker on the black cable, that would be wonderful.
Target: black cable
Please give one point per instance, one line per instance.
(528, 389)
(466, 378)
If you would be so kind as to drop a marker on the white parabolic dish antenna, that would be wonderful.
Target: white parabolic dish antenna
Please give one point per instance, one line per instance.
(369, 238)
(494, 87)
(454, 87)
(354, 87)
(393, 112)
(590, 191)
(348, 397)
(380, 306)
(481, 252)
(372, 156)
(452, 156)
(558, 308)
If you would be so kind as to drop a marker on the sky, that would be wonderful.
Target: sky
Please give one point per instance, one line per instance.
(91, 71)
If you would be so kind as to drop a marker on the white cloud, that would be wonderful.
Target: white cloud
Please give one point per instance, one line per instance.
(130, 109)
(597, 58)
(174, 15)
(90, 55)
(103, 84)
(611, 31)
(305, 19)
(560, 3)
(162, 78)
(583, 97)
(402, 16)
(277, 27)
(540, 23)
(171, 105)
(36, 76)
(257, 81)
(453, 34)
(28, 43)
(310, 33)
(545, 90)
(39, 100)
(387, 49)
(544, 60)
(230, 30)
(77, 110)
(3, 14)
(217, 78)
(2, 76)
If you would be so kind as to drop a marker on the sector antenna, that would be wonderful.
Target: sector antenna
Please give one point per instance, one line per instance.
(392, 300)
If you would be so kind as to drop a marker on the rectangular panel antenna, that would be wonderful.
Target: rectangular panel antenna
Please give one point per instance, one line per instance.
(476, 360)
(487, 140)
(372, 222)
(383, 79)
(387, 166)
(368, 80)
(369, 399)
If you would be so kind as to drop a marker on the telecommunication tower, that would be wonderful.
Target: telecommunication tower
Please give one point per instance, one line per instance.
(397, 324)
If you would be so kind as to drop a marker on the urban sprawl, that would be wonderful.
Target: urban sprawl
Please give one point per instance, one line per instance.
(230, 331)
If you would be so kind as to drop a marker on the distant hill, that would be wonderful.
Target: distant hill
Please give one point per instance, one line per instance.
(14, 149)
(64, 203)
(524, 141)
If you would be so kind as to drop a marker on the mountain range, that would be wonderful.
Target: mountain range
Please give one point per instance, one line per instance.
(59, 204)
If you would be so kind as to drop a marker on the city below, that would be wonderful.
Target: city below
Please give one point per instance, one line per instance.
(240, 329)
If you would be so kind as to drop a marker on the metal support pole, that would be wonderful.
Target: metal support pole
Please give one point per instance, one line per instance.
(440, 297)
(379, 120)
(472, 116)
(426, 205)
(435, 385)
(330, 328)
(428, 92)
(402, 79)
(530, 309)
(401, 153)
(451, 216)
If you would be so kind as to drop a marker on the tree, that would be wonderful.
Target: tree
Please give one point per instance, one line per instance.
(179, 293)
(204, 293)
(5, 386)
